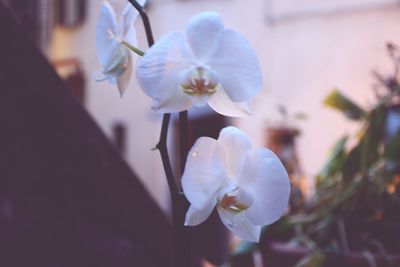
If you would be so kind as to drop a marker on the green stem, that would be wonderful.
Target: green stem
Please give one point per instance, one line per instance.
(133, 48)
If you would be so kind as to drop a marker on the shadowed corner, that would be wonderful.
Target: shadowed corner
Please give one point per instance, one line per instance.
(66, 196)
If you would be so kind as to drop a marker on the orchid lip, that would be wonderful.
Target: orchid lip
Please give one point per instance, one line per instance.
(231, 204)
(199, 81)
(233, 201)
(120, 64)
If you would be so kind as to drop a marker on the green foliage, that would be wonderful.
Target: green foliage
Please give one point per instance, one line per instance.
(336, 159)
(244, 248)
(340, 102)
(357, 190)
(392, 148)
(315, 259)
(357, 200)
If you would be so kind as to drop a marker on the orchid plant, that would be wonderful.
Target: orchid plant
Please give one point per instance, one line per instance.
(249, 186)
(207, 64)
(112, 45)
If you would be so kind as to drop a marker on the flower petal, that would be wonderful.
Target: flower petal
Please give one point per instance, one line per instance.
(204, 172)
(158, 71)
(236, 145)
(264, 177)
(130, 37)
(176, 103)
(141, 2)
(203, 33)
(106, 31)
(115, 53)
(195, 216)
(236, 66)
(124, 78)
(129, 16)
(221, 103)
(240, 225)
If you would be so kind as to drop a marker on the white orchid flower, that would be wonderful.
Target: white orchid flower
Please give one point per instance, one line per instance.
(207, 64)
(249, 187)
(113, 55)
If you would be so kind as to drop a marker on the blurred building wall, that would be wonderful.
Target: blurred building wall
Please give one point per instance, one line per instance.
(303, 57)
(108, 108)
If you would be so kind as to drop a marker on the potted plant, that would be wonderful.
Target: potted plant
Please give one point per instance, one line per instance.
(281, 138)
(353, 219)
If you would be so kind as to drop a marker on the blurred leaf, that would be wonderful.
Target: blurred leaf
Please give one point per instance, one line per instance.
(276, 229)
(304, 218)
(373, 137)
(340, 102)
(352, 164)
(242, 256)
(242, 260)
(316, 259)
(300, 116)
(324, 207)
(336, 158)
(392, 148)
(245, 248)
(367, 151)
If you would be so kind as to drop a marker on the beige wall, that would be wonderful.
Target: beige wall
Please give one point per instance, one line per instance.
(302, 60)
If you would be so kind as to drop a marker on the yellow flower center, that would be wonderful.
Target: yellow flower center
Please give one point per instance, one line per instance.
(199, 82)
(232, 203)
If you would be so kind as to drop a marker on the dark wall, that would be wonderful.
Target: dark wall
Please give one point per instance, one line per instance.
(66, 196)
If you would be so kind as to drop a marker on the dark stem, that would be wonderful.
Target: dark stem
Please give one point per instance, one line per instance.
(162, 143)
(182, 251)
(183, 203)
(146, 21)
(183, 134)
(162, 147)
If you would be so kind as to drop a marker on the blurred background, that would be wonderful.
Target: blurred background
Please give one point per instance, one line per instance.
(306, 48)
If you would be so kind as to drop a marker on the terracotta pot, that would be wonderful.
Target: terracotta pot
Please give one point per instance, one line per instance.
(279, 254)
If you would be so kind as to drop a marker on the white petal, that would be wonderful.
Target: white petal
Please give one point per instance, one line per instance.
(236, 66)
(204, 172)
(246, 106)
(240, 225)
(176, 103)
(264, 177)
(221, 103)
(118, 62)
(129, 16)
(123, 80)
(158, 71)
(142, 2)
(199, 100)
(236, 145)
(99, 76)
(130, 37)
(114, 54)
(195, 216)
(106, 31)
(203, 33)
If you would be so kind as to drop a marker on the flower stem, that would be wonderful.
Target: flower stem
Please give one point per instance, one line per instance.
(146, 21)
(133, 48)
(183, 134)
(183, 203)
(182, 250)
(162, 147)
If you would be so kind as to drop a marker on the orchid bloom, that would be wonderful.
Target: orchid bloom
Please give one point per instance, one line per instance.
(207, 64)
(249, 187)
(112, 53)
